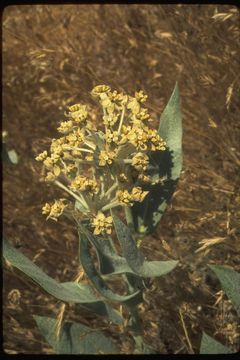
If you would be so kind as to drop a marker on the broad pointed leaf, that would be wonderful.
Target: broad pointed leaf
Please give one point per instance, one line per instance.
(163, 164)
(74, 338)
(230, 281)
(68, 291)
(110, 263)
(212, 346)
(133, 256)
(95, 278)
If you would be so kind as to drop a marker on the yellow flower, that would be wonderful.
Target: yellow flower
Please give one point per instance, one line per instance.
(56, 170)
(46, 209)
(106, 103)
(100, 89)
(118, 98)
(126, 133)
(50, 161)
(42, 156)
(81, 114)
(110, 119)
(54, 210)
(57, 145)
(126, 129)
(106, 157)
(75, 138)
(156, 142)
(102, 224)
(140, 96)
(124, 197)
(65, 126)
(82, 183)
(143, 115)
(138, 137)
(50, 177)
(140, 161)
(138, 194)
(134, 106)
(89, 157)
(75, 107)
(112, 136)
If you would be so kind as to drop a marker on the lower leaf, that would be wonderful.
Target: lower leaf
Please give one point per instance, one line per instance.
(74, 338)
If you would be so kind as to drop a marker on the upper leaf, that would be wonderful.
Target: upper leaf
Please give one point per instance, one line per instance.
(170, 129)
(230, 281)
(163, 164)
(75, 338)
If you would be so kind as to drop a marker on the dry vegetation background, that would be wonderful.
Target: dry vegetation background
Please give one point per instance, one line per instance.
(52, 57)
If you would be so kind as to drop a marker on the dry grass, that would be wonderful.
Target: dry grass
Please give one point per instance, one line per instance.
(52, 56)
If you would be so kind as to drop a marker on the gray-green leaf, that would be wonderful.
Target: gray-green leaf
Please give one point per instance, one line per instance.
(68, 291)
(110, 263)
(230, 281)
(95, 278)
(9, 156)
(102, 309)
(212, 346)
(74, 338)
(133, 256)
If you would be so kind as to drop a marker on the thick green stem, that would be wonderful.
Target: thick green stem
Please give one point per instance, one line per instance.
(129, 218)
(111, 206)
(78, 198)
(135, 322)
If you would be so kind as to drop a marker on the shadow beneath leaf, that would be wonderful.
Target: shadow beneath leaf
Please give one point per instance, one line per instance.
(149, 212)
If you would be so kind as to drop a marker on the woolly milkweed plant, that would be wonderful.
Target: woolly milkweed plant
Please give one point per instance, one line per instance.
(122, 164)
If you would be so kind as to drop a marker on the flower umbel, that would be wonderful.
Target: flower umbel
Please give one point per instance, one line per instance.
(55, 210)
(102, 164)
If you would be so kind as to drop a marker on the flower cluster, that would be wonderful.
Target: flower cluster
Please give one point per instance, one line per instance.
(101, 224)
(55, 210)
(102, 167)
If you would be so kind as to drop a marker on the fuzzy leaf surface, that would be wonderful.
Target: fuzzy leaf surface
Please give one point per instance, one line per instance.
(95, 277)
(102, 309)
(134, 257)
(75, 338)
(67, 291)
(230, 281)
(212, 346)
(110, 262)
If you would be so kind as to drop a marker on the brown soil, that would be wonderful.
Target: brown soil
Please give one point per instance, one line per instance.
(52, 57)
